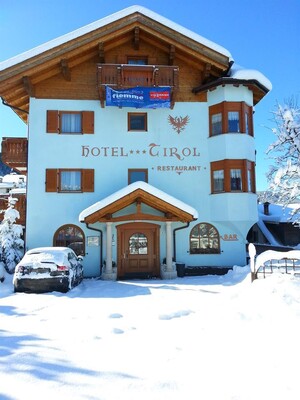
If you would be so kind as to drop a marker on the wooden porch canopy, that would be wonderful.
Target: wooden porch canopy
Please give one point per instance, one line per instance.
(169, 208)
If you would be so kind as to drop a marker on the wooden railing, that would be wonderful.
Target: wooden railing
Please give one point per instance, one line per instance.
(127, 75)
(19, 206)
(14, 153)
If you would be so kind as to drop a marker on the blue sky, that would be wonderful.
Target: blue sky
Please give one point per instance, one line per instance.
(260, 34)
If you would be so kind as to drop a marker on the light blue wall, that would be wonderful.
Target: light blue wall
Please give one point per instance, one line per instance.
(160, 149)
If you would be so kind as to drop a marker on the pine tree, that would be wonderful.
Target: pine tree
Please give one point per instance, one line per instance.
(11, 242)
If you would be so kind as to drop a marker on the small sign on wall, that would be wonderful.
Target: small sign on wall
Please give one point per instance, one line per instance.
(93, 241)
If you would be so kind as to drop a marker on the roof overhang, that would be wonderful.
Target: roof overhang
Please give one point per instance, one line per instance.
(258, 89)
(169, 208)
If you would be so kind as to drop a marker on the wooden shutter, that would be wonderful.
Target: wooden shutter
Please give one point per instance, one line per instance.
(87, 180)
(52, 121)
(51, 180)
(87, 121)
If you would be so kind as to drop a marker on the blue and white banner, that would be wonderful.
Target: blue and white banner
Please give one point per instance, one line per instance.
(139, 97)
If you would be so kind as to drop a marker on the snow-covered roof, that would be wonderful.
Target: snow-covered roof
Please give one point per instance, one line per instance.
(277, 213)
(13, 178)
(131, 188)
(18, 191)
(107, 20)
(238, 72)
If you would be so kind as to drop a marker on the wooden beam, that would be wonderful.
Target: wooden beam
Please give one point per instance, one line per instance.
(101, 53)
(171, 54)
(28, 86)
(206, 73)
(136, 38)
(65, 70)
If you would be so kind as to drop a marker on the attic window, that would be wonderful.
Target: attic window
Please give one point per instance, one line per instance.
(137, 60)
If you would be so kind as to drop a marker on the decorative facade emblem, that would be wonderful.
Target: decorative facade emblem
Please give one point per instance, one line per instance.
(178, 123)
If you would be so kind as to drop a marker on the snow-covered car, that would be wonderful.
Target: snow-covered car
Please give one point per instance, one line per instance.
(47, 269)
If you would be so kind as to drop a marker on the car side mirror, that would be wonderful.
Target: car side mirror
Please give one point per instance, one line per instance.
(80, 258)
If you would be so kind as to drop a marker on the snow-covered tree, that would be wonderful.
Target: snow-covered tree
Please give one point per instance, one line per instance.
(11, 243)
(284, 175)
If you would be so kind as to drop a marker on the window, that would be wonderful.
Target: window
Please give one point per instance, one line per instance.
(235, 179)
(216, 122)
(232, 176)
(137, 122)
(135, 175)
(233, 121)
(69, 180)
(204, 239)
(137, 60)
(70, 122)
(230, 117)
(218, 181)
(138, 244)
(70, 236)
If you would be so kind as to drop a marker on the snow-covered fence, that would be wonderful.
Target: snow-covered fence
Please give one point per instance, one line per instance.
(271, 261)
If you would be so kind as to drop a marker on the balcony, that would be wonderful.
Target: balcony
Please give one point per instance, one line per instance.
(122, 76)
(14, 153)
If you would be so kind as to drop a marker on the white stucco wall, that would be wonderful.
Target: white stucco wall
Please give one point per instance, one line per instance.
(112, 150)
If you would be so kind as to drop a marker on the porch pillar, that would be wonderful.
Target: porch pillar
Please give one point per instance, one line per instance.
(108, 272)
(168, 272)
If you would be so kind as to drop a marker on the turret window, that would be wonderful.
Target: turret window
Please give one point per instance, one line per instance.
(232, 176)
(230, 117)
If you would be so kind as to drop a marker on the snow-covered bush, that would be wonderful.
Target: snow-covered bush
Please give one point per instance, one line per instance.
(11, 243)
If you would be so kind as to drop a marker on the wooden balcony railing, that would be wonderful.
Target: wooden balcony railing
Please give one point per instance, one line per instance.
(20, 206)
(128, 75)
(14, 153)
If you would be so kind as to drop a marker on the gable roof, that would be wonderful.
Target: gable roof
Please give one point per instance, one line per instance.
(143, 192)
(94, 26)
(20, 75)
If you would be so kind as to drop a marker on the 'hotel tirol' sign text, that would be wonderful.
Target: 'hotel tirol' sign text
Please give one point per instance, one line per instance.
(153, 150)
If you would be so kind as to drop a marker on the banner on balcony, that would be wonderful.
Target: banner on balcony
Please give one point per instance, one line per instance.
(139, 97)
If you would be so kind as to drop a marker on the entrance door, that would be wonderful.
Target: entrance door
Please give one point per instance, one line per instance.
(138, 250)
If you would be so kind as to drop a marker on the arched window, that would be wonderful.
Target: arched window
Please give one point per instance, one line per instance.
(70, 236)
(204, 239)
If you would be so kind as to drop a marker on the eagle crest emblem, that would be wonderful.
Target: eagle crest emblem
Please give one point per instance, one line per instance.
(178, 123)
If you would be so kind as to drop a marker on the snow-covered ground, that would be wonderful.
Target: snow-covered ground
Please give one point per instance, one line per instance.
(211, 338)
